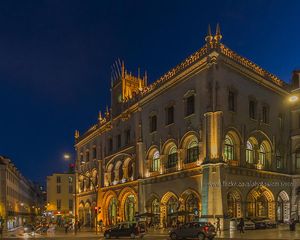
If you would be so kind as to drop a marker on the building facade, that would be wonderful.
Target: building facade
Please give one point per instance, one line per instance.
(210, 138)
(19, 199)
(60, 196)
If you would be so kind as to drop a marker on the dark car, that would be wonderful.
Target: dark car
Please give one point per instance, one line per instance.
(126, 229)
(200, 230)
(259, 223)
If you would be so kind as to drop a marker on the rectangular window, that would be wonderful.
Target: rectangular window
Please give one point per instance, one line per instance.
(110, 145)
(190, 105)
(265, 114)
(127, 136)
(231, 101)
(87, 156)
(70, 204)
(170, 115)
(58, 204)
(58, 189)
(81, 157)
(252, 109)
(119, 140)
(94, 152)
(279, 162)
(298, 159)
(70, 188)
(153, 123)
(58, 180)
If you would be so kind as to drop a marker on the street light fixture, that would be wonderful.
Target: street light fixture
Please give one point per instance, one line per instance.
(293, 98)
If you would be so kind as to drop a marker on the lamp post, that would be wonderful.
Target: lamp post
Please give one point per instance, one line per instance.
(67, 157)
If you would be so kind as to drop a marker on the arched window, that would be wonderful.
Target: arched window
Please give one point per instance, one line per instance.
(130, 170)
(155, 166)
(262, 155)
(249, 152)
(172, 157)
(228, 149)
(192, 151)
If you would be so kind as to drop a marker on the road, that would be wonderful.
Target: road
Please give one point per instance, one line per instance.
(282, 232)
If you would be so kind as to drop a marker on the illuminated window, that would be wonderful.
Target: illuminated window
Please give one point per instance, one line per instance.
(155, 166)
(262, 155)
(249, 152)
(228, 149)
(172, 157)
(192, 152)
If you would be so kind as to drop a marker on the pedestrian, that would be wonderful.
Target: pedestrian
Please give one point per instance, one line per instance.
(66, 227)
(218, 225)
(241, 225)
(292, 225)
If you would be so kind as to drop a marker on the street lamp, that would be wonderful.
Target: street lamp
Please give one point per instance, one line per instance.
(67, 157)
(293, 98)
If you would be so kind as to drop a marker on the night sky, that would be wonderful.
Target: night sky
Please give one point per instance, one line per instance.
(56, 56)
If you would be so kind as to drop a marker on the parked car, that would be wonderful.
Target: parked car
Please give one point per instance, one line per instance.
(269, 223)
(259, 223)
(126, 229)
(200, 230)
(28, 228)
(248, 224)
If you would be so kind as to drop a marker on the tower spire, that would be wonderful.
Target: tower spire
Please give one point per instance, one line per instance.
(208, 37)
(218, 35)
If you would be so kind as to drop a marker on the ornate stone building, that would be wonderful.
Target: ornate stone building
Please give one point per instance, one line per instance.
(210, 138)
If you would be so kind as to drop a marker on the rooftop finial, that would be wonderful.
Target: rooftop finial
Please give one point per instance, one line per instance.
(76, 134)
(218, 35)
(208, 37)
(100, 116)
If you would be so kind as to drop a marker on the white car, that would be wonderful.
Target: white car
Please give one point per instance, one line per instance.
(249, 225)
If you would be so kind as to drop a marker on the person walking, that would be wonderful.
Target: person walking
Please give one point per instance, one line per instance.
(241, 225)
(66, 227)
(218, 225)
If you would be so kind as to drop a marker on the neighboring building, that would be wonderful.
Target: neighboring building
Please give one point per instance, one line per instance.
(60, 195)
(210, 138)
(18, 196)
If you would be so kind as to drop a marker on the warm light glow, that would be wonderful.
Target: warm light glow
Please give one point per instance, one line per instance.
(67, 156)
(293, 98)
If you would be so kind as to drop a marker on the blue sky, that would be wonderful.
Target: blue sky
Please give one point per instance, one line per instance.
(55, 59)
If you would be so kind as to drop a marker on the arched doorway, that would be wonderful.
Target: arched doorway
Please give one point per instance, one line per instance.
(172, 206)
(191, 207)
(129, 208)
(260, 203)
(81, 213)
(112, 211)
(169, 207)
(87, 214)
(283, 207)
(234, 202)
